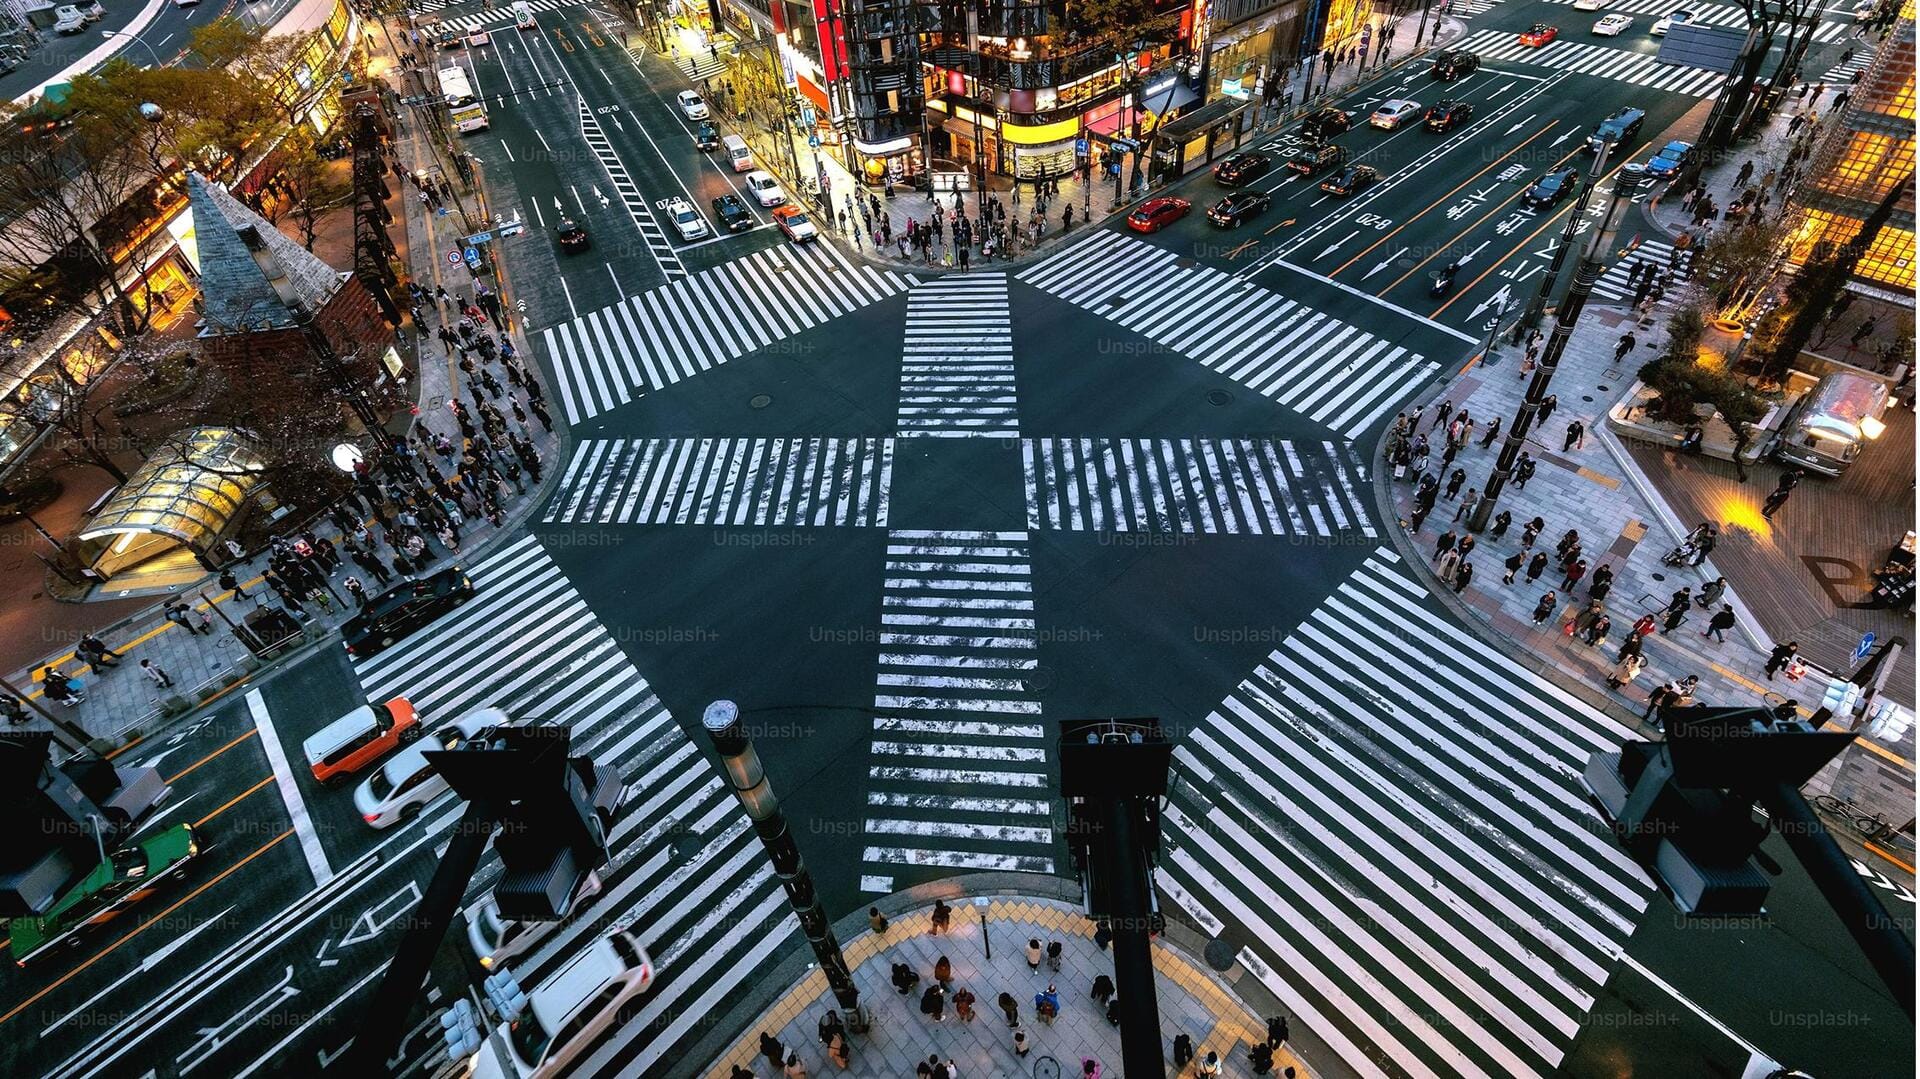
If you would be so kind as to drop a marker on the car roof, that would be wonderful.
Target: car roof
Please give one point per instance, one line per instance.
(408, 763)
(556, 1000)
(338, 733)
(1681, 145)
(759, 174)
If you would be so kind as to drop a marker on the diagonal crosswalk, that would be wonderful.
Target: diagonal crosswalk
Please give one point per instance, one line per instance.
(1614, 65)
(1725, 15)
(1329, 370)
(686, 873)
(1391, 812)
(959, 776)
(1655, 256)
(606, 358)
(783, 482)
(1255, 486)
(956, 367)
(1840, 74)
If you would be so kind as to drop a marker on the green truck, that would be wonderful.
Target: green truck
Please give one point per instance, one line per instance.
(127, 876)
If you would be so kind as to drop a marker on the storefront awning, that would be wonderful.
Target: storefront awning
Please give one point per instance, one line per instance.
(191, 490)
(1198, 121)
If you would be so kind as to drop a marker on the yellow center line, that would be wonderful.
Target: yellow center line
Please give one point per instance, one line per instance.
(1461, 236)
(109, 949)
(231, 801)
(1442, 199)
(210, 756)
(1495, 264)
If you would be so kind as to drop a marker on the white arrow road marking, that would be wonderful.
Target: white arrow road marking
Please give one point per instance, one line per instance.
(1335, 245)
(283, 776)
(146, 964)
(1521, 124)
(382, 914)
(212, 1037)
(1468, 257)
(172, 808)
(1500, 298)
(1383, 264)
(1564, 136)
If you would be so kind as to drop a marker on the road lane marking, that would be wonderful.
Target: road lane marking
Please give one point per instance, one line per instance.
(310, 847)
(153, 960)
(109, 949)
(1486, 216)
(182, 775)
(236, 799)
(1551, 218)
(1388, 304)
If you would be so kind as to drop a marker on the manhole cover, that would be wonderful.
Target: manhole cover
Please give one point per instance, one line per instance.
(1589, 400)
(1602, 389)
(1116, 299)
(1219, 954)
(1401, 264)
(759, 400)
(1039, 680)
(1658, 576)
(1218, 397)
(688, 846)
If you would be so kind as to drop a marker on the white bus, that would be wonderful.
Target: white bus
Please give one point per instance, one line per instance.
(469, 115)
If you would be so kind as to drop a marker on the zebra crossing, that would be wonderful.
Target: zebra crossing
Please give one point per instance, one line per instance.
(1841, 74)
(606, 358)
(1704, 14)
(687, 874)
(498, 15)
(1251, 486)
(783, 482)
(651, 231)
(701, 66)
(956, 368)
(1391, 811)
(1616, 65)
(1467, 9)
(959, 776)
(1656, 256)
(1326, 369)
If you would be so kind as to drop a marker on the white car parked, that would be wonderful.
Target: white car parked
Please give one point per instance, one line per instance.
(1612, 25)
(569, 1011)
(1682, 16)
(1394, 113)
(765, 189)
(405, 784)
(686, 220)
(691, 106)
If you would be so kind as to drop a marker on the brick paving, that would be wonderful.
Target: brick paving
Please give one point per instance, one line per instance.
(1192, 1000)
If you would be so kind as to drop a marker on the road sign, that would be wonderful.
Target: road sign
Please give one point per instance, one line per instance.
(1080, 145)
(479, 238)
(813, 140)
(453, 258)
(1866, 645)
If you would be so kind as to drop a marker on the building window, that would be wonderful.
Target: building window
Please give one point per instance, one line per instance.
(1871, 166)
(1888, 262)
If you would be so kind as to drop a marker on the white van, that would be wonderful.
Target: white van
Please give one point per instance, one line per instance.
(737, 153)
(68, 20)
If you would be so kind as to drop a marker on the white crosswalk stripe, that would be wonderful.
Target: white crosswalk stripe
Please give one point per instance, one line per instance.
(1705, 14)
(1326, 369)
(1392, 814)
(686, 873)
(1256, 486)
(606, 358)
(1656, 257)
(701, 66)
(956, 368)
(1837, 77)
(959, 772)
(1616, 65)
(1467, 9)
(500, 15)
(783, 482)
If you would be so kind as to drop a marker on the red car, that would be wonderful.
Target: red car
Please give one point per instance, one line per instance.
(1539, 34)
(1156, 214)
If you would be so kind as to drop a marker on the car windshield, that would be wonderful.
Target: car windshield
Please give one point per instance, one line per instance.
(379, 786)
(529, 1041)
(795, 220)
(684, 215)
(130, 864)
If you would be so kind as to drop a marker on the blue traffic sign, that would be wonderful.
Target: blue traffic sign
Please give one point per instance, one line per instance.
(813, 140)
(1866, 645)
(1080, 145)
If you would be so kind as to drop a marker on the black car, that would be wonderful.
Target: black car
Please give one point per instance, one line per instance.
(733, 214)
(1318, 159)
(1621, 127)
(706, 136)
(404, 608)
(1551, 188)
(1447, 114)
(1325, 122)
(1455, 64)
(1241, 168)
(572, 238)
(1232, 211)
(1350, 180)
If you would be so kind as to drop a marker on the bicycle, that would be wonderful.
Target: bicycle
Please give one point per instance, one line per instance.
(1869, 825)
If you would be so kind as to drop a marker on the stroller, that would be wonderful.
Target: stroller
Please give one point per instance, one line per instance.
(1682, 555)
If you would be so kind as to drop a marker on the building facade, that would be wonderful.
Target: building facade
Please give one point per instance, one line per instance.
(1866, 155)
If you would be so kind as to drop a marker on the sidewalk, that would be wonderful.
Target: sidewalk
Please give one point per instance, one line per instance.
(1600, 490)
(123, 705)
(1092, 200)
(1192, 1000)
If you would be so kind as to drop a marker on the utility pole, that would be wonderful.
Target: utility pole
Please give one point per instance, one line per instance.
(749, 782)
(1538, 306)
(1625, 183)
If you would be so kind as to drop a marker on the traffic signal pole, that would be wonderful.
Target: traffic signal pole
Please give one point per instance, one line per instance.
(1625, 183)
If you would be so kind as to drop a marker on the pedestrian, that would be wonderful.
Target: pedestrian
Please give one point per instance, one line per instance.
(1009, 1008)
(1447, 566)
(1664, 695)
(1551, 402)
(1530, 532)
(1711, 592)
(1455, 481)
(1544, 609)
(941, 918)
(905, 978)
(963, 1004)
(876, 921)
(1113, 1012)
(771, 1048)
(1209, 1066)
(1675, 616)
(1597, 630)
(1574, 573)
(1721, 622)
(933, 1004)
(1182, 1052)
(1537, 566)
(1102, 989)
(1625, 346)
(1442, 414)
(1021, 1046)
(1446, 543)
(1492, 432)
(1501, 522)
(1601, 582)
(1625, 671)
(1462, 577)
(1468, 503)
(1567, 540)
(1781, 655)
(1053, 955)
(156, 674)
(839, 1052)
(1514, 561)
(1703, 546)
(1034, 953)
(1522, 471)
(1773, 503)
(1047, 1005)
(943, 973)
(794, 1069)
(1576, 436)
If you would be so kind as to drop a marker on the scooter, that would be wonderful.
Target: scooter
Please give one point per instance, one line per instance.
(1443, 280)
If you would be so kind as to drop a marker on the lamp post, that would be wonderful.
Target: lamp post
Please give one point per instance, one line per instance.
(1585, 273)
